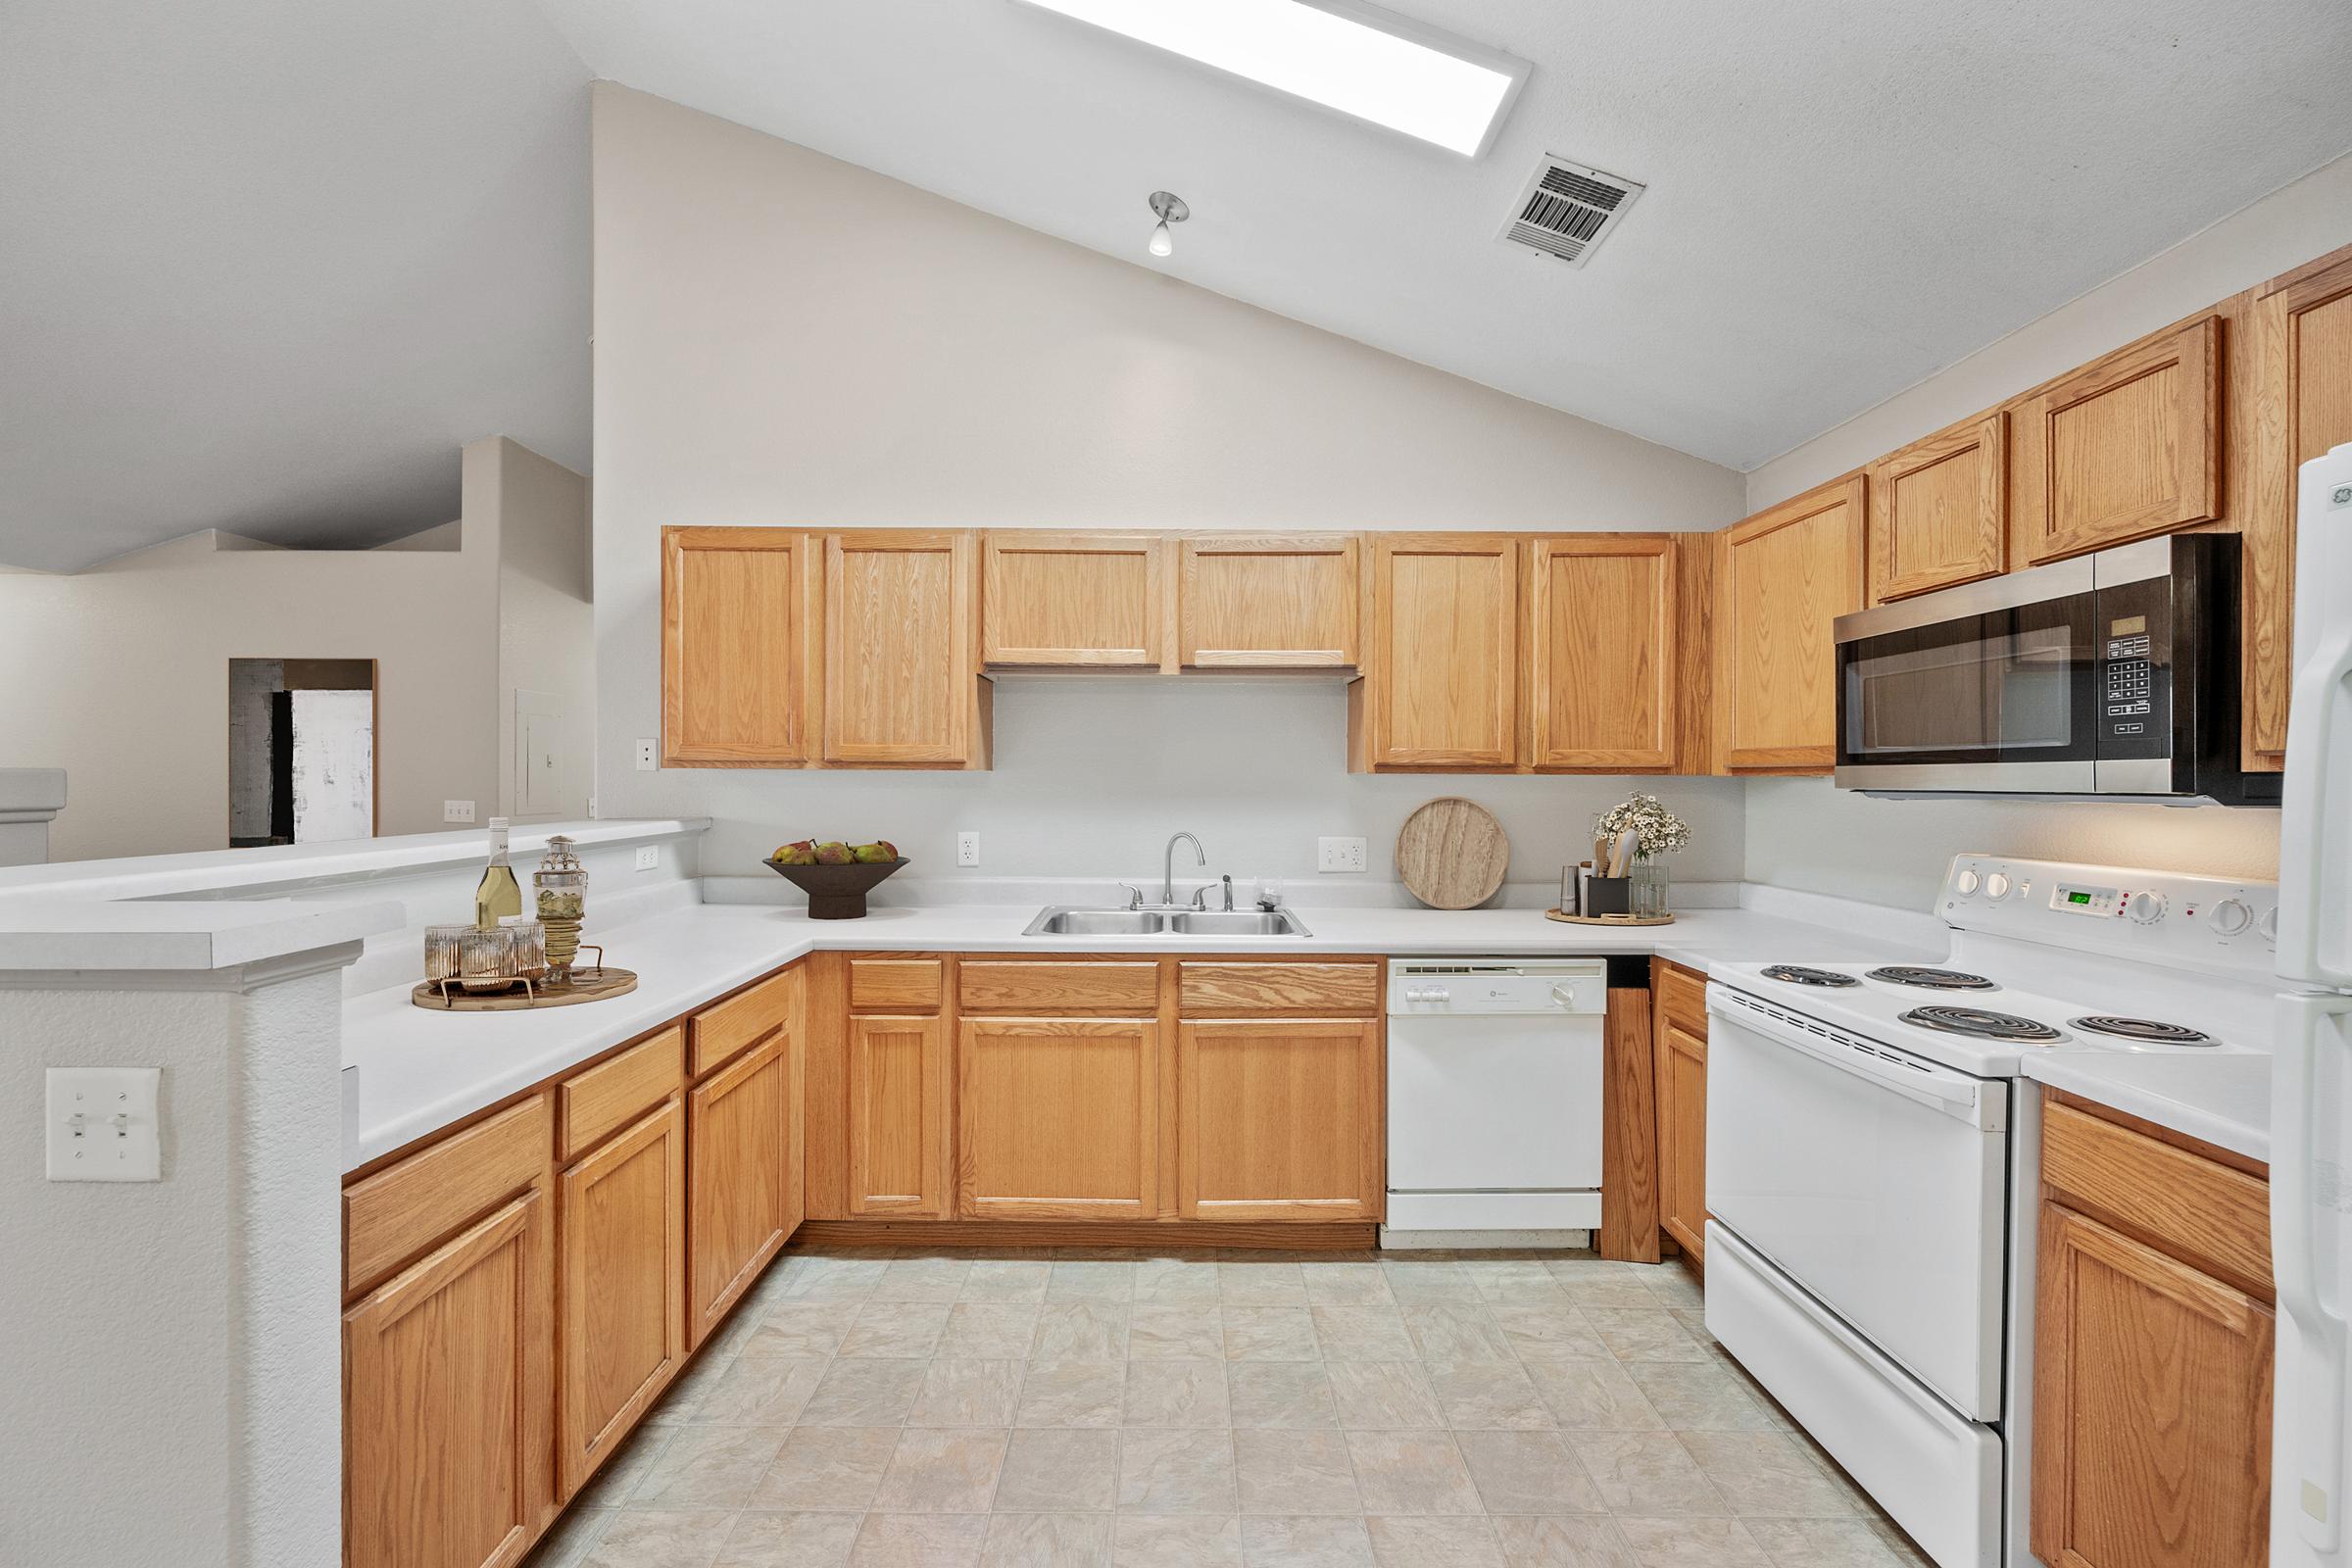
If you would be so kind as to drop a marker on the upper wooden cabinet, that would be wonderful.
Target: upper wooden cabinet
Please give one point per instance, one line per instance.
(1072, 601)
(738, 646)
(1940, 510)
(1267, 601)
(901, 677)
(1057, 1118)
(2126, 446)
(1440, 685)
(1785, 575)
(1603, 641)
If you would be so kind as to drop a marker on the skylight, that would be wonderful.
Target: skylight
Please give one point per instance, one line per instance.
(1356, 58)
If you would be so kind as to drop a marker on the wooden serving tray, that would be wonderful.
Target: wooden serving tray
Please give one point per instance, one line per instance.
(1609, 920)
(585, 984)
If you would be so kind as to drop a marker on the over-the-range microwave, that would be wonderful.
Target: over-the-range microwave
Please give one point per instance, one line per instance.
(2111, 674)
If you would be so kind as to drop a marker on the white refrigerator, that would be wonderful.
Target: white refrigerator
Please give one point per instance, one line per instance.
(2311, 1074)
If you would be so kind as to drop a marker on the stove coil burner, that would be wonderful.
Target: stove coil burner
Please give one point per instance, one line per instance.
(1798, 974)
(1982, 1025)
(1909, 974)
(2146, 1031)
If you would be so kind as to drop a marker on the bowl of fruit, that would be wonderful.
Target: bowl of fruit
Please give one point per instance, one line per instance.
(836, 876)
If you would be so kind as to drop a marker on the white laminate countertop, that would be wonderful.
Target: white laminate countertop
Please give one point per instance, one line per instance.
(412, 1071)
(2223, 1098)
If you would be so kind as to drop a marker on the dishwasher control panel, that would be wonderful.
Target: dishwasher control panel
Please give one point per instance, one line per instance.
(1423, 987)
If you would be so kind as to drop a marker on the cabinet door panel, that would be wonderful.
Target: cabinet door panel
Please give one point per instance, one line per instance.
(1058, 1118)
(736, 1184)
(1601, 692)
(1278, 1120)
(1072, 601)
(1940, 510)
(897, 1117)
(2152, 1407)
(900, 677)
(621, 1220)
(1442, 691)
(1683, 1136)
(447, 1402)
(1787, 574)
(1277, 602)
(737, 647)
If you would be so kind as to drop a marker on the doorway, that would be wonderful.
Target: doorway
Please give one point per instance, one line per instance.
(300, 751)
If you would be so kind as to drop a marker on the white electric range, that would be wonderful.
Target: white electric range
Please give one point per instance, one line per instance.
(1871, 1164)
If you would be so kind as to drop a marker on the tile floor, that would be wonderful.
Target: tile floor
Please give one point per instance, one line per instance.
(1087, 1410)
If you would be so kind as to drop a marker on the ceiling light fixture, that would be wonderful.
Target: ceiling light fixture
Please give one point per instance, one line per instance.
(1170, 209)
(1358, 59)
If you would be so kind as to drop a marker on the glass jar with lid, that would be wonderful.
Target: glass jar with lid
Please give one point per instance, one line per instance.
(560, 889)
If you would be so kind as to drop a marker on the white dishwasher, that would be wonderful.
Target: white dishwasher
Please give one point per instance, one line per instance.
(1494, 1099)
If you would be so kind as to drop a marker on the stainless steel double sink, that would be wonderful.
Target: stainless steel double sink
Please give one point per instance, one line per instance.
(1071, 920)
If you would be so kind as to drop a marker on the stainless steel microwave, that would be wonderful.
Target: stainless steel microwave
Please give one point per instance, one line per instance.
(2110, 674)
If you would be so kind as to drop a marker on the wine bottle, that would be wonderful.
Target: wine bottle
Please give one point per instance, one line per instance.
(498, 895)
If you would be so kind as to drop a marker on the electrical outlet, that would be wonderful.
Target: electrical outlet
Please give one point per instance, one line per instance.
(648, 856)
(649, 756)
(1342, 854)
(967, 848)
(457, 811)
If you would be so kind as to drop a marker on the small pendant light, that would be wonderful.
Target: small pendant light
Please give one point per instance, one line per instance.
(1170, 209)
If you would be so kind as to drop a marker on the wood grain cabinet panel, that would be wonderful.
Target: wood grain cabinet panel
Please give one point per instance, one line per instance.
(1278, 1120)
(407, 1206)
(1603, 637)
(727, 1028)
(739, 1192)
(1681, 1066)
(621, 1243)
(896, 984)
(1072, 601)
(1024, 988)
(1787, 575)
(1208, 989)
(598, 1101)
(447, 1399)
(1441, 690)
(898, 1128)
(1940, 510)
(901, 677)
(1267, 602)
(739, 653)
(1057, 1118)
(2126, 446)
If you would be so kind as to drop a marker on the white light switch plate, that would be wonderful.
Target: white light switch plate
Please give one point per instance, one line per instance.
(1342, 854)
(648, 856)
(457, 811)
(102, 1124)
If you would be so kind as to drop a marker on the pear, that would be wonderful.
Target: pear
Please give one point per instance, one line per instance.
(878, 852)
(833, 853)
(803, 853)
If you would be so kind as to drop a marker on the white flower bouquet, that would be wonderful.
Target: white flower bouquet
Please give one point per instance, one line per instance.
(1656, 830)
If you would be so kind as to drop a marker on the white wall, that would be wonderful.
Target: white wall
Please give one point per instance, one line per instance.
(546, 626)
(784, 338)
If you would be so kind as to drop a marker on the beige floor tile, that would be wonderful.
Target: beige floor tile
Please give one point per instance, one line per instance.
(728, 1339)
(1261, 1284)
(1591, 1395)
(990, 1330)
(803, 1327)
(1176, 1281)
(1176, 1394)
(1048, 1540)
(1674, 1285)
(1489, 1395)
(1456, 1330)
(1767, 1474)
(1176, 1472)
(958, 1393)
(1645, 1334)
(1419, 1280)
(611, 1486)
(1091, 1280)
(1695, 1323)
(837, 1279)
(1006, 1279)
(942, 1471)
(1081, 1330)
(1293, 1543)
(1555, 1329)
(1700, 1397)
(1645, 1473)
(1071, 1394)
(1159, 1331)
(1346, 1285)
(1905, 1551)
(707, 1467)
(1295, 1395)
(1059, 1470)
(864, 1393)
(1571, 1542)
(685, 1394)
(1295, 1472)
(1363, 1333)
(1176, 1541)
(761, 1391)
(822, 1468)
(896, 1328)
(1270, 1334)
(922, 1279)
(790, 1541)
(1411, 1472)
(1434, 1542)
(1824, 1543)
(1692, 1543)
(920, 1541)
(571, 1540)
(1528, 1472)
(1384, 1395)
(667, 1539)
(1525, 1282)
(1596, 1281)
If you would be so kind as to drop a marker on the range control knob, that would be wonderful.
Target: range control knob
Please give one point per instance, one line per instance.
(1966, 882)
(2145, 907)
(1996, 885)
(2267, 927)
(2231, 917)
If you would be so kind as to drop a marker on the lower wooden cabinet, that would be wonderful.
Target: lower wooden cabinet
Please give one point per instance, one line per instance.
(1278, 1120)
(737, 1185)
(1682, 1059)
(621, 1274)
(1057, 1118)
(897, 1127)
(447, 1379)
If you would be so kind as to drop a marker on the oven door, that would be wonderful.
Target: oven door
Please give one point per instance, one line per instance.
(1992, 686)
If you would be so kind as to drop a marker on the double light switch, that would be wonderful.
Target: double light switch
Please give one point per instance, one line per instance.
(102, 1124)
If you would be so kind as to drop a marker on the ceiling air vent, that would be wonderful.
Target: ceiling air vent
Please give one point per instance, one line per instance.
(1567, 210)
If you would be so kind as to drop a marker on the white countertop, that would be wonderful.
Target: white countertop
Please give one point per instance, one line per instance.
(51, 934)
(419, 1070)
(2221, 1098)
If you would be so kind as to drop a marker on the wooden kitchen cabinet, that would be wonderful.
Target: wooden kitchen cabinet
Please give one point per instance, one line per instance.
(740, 1192)
(901, 684)
(739, 651)
(897, 1117)
(1072, 601)
(1057, 1118)
(2126, 446)
(1439, 688)
(1681, 1018)
(447, 1400)
(1785, 576)
(1267, 601)
(1278, 1120)
(1940, 510)
(621, 1229)
(1603, 643)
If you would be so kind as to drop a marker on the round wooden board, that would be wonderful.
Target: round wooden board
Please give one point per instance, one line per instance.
(1609, 920)
(587, 985)
(1451, 853)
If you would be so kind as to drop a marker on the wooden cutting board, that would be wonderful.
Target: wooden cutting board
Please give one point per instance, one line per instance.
(1451, 853)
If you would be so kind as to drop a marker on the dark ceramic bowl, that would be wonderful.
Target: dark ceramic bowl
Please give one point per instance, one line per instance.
(837, 892)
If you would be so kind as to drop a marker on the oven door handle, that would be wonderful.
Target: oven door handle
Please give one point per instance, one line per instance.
(1954, 1094)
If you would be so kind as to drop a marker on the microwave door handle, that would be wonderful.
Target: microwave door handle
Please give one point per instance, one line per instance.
(2307, 949)
(2315, 1467)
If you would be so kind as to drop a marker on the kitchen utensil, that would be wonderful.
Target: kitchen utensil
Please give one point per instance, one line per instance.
(1451, 853)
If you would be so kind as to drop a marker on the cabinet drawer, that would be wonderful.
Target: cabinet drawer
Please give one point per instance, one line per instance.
(1259, 988)
(895, 985)
(598, 1101)
(401, 1210)
(1113, 990)
(2203, 1212)
(1683, 998)
(744, 1018)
